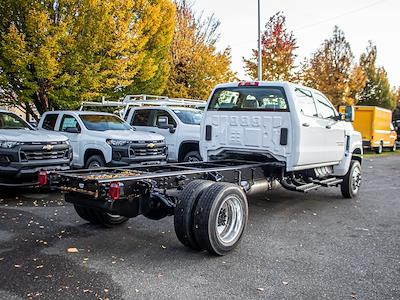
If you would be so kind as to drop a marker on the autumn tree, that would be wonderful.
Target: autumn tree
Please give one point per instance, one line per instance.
(377, 91)
(396, 113)
(196, 64)
(278, 51)
(58, 53)
(331, 70)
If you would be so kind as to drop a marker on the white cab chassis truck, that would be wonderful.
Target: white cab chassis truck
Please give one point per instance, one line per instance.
(252, 135)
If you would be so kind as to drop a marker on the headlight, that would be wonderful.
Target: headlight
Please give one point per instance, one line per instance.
(117, 142)
(9, 144)
(67, 142)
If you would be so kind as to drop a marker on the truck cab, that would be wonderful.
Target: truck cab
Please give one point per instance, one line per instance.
(278, 121)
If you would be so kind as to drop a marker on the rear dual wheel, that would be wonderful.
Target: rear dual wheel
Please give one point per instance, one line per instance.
(211, 216)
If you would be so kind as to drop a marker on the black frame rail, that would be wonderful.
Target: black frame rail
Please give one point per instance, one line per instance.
(162, 176)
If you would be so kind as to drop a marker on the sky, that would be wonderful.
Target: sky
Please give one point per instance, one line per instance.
(312, 21)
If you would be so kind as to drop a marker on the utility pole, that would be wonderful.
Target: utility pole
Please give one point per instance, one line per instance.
(259, 43)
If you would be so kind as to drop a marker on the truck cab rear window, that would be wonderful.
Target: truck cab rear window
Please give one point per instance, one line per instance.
(249, 99)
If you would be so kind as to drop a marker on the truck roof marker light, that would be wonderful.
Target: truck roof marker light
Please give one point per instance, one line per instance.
(114, 191)
(43, 178)
(249, 83)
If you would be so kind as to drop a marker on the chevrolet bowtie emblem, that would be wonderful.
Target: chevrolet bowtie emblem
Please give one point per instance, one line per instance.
(48, 147)
(151, 146)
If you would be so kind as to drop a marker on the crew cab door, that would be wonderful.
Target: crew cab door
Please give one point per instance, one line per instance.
(147, 120)
(69, 126)
(311, 138)
(169, 134)
(334, 129)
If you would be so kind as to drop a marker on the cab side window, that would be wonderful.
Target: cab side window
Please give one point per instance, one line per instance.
(69, 121)
(163, 113)
(324, 107)
(49, 122)
(305, 102)
(141, 117)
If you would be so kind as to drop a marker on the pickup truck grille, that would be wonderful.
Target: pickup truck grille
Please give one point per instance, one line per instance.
(146, 151)
(38, 152)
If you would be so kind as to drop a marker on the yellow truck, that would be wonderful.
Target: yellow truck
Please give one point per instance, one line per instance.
(375, 125)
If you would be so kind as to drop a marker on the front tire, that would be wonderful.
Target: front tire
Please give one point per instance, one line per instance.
(220, 218)
(379, 149)
(95, 161)
(394, 148)
(352, 180)
(109, 220)
(86, 214)
(192, 156)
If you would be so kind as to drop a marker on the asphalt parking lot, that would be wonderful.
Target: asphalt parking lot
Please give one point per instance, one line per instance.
(296, 246)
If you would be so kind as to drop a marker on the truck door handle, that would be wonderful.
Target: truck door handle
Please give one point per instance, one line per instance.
(328, 127)
(153, 132)
(306, 125)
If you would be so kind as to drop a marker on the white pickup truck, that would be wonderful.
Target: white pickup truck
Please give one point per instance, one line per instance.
(103, 139)
(179, 125)
(178, 120)
(252, 135)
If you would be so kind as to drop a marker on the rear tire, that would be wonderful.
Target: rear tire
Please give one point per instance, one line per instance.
(379, 149)
(192, 156)
(394, 148)
(220, 218)
(86, 214)
(184, 212)
(95, 161)
(352, 180)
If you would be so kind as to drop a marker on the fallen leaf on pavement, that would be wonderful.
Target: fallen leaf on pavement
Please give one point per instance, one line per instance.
(260, 289)
(72, 250)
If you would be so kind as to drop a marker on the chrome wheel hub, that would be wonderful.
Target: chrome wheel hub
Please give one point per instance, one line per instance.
(356, 180)
(229, 223)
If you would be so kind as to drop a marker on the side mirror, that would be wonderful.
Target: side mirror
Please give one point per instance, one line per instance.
(349, 114)
(71, 130)
(162, 122)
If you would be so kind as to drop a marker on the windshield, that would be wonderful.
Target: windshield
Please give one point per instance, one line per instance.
(259, 98)
(103, 122)
(191, 117)
(11, 121)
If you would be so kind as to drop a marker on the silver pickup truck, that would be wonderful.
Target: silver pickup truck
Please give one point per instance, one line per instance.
(24, 151)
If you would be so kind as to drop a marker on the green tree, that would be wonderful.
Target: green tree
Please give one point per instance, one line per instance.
(196, 65)
(377, 91)
(278, 51)
(58, 53)
(331, 70)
